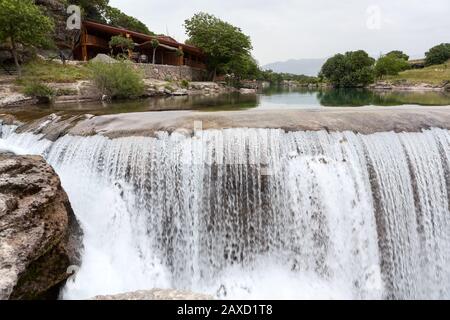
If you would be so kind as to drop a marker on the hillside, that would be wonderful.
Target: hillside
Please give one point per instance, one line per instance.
(309, 67)
(436, 75)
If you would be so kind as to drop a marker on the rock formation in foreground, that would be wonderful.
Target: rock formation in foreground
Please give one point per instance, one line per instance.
(39, 234)
(156, 294)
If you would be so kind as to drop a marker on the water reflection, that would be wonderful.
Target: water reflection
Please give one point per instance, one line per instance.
(271, 98)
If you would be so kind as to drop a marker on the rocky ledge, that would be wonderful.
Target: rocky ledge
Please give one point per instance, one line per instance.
(406, 86)
(39, 234)
(156, 294)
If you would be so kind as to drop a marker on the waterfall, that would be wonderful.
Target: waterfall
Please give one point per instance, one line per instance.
(258, 213)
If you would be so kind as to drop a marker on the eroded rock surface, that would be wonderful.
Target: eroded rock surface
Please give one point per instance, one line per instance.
(156, 294)
(39, 234)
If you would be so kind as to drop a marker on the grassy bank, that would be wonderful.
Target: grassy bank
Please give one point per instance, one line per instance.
(43, 71)
(435, 75)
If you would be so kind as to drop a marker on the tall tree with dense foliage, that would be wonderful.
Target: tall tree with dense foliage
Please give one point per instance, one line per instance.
(23, 23)
(117, 18)
(352, 69)
(92, 9)
(438, 54)
(220, 41)
(101, 11)
(390, 64)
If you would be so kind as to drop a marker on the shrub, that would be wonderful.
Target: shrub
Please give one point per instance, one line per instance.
(117, 80)
(40, 91)
(169, 88)
(390, 65)
(184, 83)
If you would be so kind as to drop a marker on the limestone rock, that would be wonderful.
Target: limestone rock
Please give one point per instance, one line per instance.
(39, 234)
(103, 58)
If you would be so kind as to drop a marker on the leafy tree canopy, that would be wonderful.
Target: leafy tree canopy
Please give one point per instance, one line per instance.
(117, 18)
(398, 54)
(22, 22)
(101, 11)
(220, 41)
(352, 69)
(93, 9)
(438, 54)
(390, 64)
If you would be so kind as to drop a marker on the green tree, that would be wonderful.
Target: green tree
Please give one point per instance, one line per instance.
(398, 54)
(438, 54)
(117, 18)
(391, 65)
(352, 69)
(220, 41)
(101, 11)
(243, 67)
(122, 42)
(155, 44)
(92, 9)
(23, 23)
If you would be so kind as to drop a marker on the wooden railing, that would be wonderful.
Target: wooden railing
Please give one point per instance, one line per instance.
(92, 40)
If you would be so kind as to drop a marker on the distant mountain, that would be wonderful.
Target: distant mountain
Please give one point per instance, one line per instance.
(309, 67)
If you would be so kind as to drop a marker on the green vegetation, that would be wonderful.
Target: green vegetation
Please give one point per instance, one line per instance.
(66, 92)
(117, 18)
(398, 54)
(184, 83)
(223, 43)
(23, 23)
(45, 71)
(123, 43)
(436, 75)
(117, 80)
(40, 91)
(352, 69)
(155, 45)
(438, 54)
(168, 87)
(276, 78)
(101, 11)
(391, 64)
(92, 9)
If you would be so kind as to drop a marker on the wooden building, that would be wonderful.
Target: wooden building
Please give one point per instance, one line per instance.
(95, 37)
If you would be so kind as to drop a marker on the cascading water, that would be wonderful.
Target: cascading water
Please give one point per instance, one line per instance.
(258, 213)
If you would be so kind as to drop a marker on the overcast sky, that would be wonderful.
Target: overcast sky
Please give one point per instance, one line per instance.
(294, 29)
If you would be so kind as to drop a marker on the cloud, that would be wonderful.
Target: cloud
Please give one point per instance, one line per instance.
(285, 29)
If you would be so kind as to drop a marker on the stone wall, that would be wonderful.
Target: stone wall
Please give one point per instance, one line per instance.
(172, 73)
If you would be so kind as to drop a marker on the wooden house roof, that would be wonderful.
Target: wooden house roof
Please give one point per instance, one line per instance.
(141, 38)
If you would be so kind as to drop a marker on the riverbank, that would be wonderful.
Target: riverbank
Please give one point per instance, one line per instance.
(12, 95)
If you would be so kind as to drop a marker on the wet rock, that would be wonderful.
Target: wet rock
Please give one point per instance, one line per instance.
(156, 294)
(180, 92)
(39, 235)
(247, 91)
